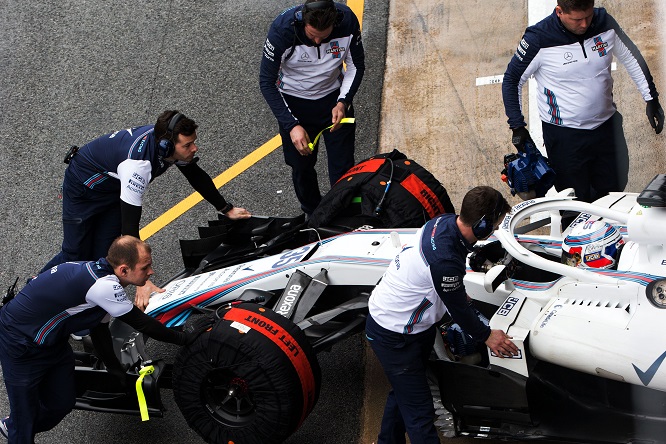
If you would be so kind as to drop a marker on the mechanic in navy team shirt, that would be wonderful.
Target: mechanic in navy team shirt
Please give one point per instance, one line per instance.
(37, 360)
(303, 80)
(569, 54)
(106, 180)
(422, 284)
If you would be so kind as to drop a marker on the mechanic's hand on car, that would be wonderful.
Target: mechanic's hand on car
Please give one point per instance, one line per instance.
(238, 213)
(501, 344)
(142, 296)
(199, 326)
(300, 139)
(655, 115)
(520, 137)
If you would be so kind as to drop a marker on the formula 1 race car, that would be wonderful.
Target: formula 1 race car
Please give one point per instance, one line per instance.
(590, 363)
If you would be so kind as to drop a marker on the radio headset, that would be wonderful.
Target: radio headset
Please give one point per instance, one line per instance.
(484, 227)
(166, 146)
(315, 6)
(309, 7)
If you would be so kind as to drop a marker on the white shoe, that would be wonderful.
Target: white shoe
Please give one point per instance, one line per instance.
(3, 427)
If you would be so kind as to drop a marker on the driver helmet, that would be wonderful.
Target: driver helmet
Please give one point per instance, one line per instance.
(594, 244)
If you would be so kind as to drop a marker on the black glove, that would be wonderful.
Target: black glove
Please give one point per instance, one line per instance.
(520, 137)
(655, 115)
(199, 326)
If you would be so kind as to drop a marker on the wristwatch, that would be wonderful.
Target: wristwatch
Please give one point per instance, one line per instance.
(345, 103)
(226, 208)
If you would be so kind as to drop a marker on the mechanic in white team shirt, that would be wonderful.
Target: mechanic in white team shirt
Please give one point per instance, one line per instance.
(312, 65)
(422, 283)
(569, 53)
(37, 360)
(106, 180)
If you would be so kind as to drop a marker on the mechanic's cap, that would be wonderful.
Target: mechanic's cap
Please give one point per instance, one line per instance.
(593, 244)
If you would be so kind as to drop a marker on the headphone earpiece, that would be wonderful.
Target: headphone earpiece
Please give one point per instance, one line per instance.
(485, 226)
(166, 146)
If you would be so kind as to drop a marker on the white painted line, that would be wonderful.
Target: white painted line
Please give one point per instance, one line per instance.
(490, 80)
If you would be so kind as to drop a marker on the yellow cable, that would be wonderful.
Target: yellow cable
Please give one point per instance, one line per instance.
(345, 120)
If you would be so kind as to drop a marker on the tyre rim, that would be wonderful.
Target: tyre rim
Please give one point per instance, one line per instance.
(227, 398)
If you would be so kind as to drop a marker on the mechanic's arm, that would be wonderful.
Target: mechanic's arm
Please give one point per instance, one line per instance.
(448, 282)
(112, 298)
(519, 69)
(202, 182)
(277, 42)
(629, 55)
(152, 327)
(461, 311)
(354, 71)
(134, 176)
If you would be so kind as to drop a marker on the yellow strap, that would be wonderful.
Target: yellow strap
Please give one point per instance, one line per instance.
(345, 120)
(147, 370)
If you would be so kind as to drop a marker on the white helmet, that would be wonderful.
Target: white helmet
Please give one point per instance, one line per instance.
(594, 244)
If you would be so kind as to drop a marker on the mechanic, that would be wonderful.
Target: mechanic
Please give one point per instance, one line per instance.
(37, 360)
(106, 180)
(303, 80)
(422, 283)
(570, 54)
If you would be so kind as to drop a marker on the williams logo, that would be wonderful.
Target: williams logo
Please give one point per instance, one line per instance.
(335, 50)
(600, 46)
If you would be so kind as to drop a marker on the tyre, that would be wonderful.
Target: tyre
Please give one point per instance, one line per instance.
(253, 378)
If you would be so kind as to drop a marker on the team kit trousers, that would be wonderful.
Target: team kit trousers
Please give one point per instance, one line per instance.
(592, 162)
(314, 116)
(90, 220)
(40, 386)
(409, 407)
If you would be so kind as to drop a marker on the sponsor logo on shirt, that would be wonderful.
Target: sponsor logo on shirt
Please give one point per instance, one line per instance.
(269, 51)
(451, 283)
(335, 49)
(522, 49)
(569, 58)
(600, 46)
(143, 142)
(120, 296)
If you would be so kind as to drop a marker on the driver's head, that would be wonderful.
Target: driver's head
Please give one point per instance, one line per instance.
(593, 244)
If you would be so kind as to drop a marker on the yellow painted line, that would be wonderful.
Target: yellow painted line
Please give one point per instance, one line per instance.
(190, 201)
(357, 7)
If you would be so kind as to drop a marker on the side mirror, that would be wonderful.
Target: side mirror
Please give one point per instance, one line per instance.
(494, 277)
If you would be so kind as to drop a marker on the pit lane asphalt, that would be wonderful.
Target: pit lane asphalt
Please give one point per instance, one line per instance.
(73, 70)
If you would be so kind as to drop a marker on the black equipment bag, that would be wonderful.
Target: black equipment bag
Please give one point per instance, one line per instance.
(385, 191)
